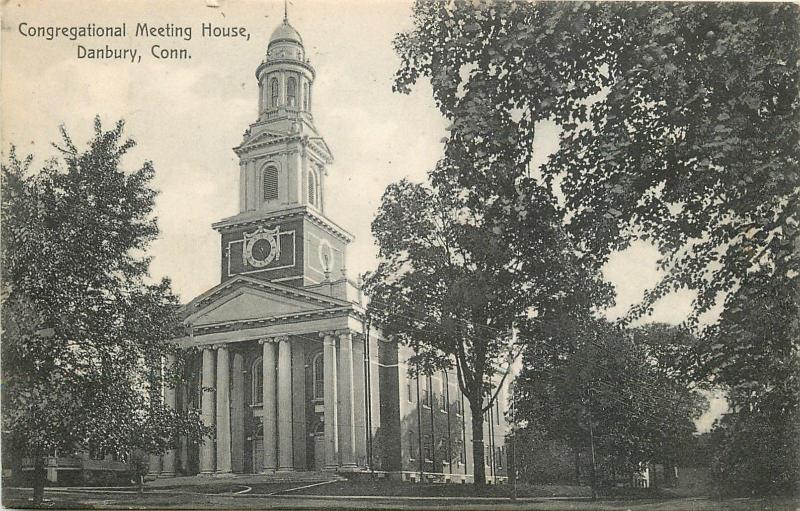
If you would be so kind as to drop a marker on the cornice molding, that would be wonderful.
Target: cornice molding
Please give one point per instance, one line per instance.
(247, 324)
(318, 219)
(265, 64)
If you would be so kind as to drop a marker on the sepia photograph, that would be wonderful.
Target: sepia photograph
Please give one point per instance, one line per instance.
(400, 254)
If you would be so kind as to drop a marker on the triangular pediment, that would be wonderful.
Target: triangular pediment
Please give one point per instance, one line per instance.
(261, 137)
(248, 304)
(247, 299)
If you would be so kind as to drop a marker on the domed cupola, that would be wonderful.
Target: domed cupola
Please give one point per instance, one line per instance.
(285, 43)
(285, 76)
(285, 32)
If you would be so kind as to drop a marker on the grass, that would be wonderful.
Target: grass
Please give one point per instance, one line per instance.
(388, 488)
(109, 500)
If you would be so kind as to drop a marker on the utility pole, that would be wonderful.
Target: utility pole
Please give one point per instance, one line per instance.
(514, 445)
(591, 444)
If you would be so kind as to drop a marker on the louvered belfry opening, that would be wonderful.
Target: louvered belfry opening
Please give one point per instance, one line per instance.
(270, 183)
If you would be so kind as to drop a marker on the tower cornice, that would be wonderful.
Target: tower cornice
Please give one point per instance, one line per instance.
(284, 62)
(253, 218)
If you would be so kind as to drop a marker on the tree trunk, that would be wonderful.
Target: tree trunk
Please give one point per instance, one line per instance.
(39, 477)
(478, 464)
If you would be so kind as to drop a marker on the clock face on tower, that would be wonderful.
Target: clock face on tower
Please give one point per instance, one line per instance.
(261, 247)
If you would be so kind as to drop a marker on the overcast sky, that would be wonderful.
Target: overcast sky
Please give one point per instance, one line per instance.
(187, 115)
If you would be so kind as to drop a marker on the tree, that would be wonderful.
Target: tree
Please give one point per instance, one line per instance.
(453, 278)
(678, 125)
(83, 330)
(619, 382)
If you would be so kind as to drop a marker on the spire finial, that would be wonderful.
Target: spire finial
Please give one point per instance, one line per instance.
(285, 10)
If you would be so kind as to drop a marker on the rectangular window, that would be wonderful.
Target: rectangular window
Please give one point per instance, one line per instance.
(443, 388)
(410, 394)
(462, 456)
(497, 412)
(426, 398)
(457, 406)
(427, 443)
(498, 457)
(412, 446)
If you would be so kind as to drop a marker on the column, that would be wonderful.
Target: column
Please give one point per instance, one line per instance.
(207, 412)
(170, 400)
(183, 442)
(330, 399)
(270, 409)
(360, 401)
(347, 432)
(237, 413)
(285, 459)
(223, 411)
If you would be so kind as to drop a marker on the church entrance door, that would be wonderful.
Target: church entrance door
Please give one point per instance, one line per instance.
(258, 446)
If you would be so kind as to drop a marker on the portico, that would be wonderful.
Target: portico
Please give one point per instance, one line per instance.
(279, 397)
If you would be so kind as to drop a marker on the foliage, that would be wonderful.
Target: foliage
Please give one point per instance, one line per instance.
(757, 446)
(678, 124)
(83, 329)
(455, 275)
(755, 450)
(596, 373)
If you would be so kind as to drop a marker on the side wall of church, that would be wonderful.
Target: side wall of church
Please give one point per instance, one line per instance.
(435, 428)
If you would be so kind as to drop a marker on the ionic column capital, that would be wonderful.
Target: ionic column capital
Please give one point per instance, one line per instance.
(343, 332)
(273, 339)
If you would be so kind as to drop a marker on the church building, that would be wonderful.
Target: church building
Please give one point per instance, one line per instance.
(283, 365)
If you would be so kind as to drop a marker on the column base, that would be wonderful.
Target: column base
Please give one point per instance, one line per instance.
(208, 473)
(224, 474)
(285, 469)
(330, 468)
(349, 468)
(166, 474)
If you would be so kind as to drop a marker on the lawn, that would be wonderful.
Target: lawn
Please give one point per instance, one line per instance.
(15, 498)
(390, 488)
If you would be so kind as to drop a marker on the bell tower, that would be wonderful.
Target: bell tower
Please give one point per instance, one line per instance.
(281, 232)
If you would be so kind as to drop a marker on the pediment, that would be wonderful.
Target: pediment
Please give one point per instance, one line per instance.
(245, 299)
(260, 137)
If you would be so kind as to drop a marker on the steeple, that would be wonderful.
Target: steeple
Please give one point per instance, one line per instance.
(285, 124)
(283, 165)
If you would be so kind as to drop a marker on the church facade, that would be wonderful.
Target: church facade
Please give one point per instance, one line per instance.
(283, 366)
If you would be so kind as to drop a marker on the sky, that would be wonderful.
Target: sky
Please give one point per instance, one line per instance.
(187, 115)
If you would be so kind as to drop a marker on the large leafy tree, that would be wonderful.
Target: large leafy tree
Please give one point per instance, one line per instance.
(83, 326)
(453, 278)
(679, 124)
(590, 382)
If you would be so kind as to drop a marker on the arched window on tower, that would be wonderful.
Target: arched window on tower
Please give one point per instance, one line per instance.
(257, 382)
(270, 183)
(274, 91)
(291, 92)
(312, 188)
(318, 377)
(305, 96)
